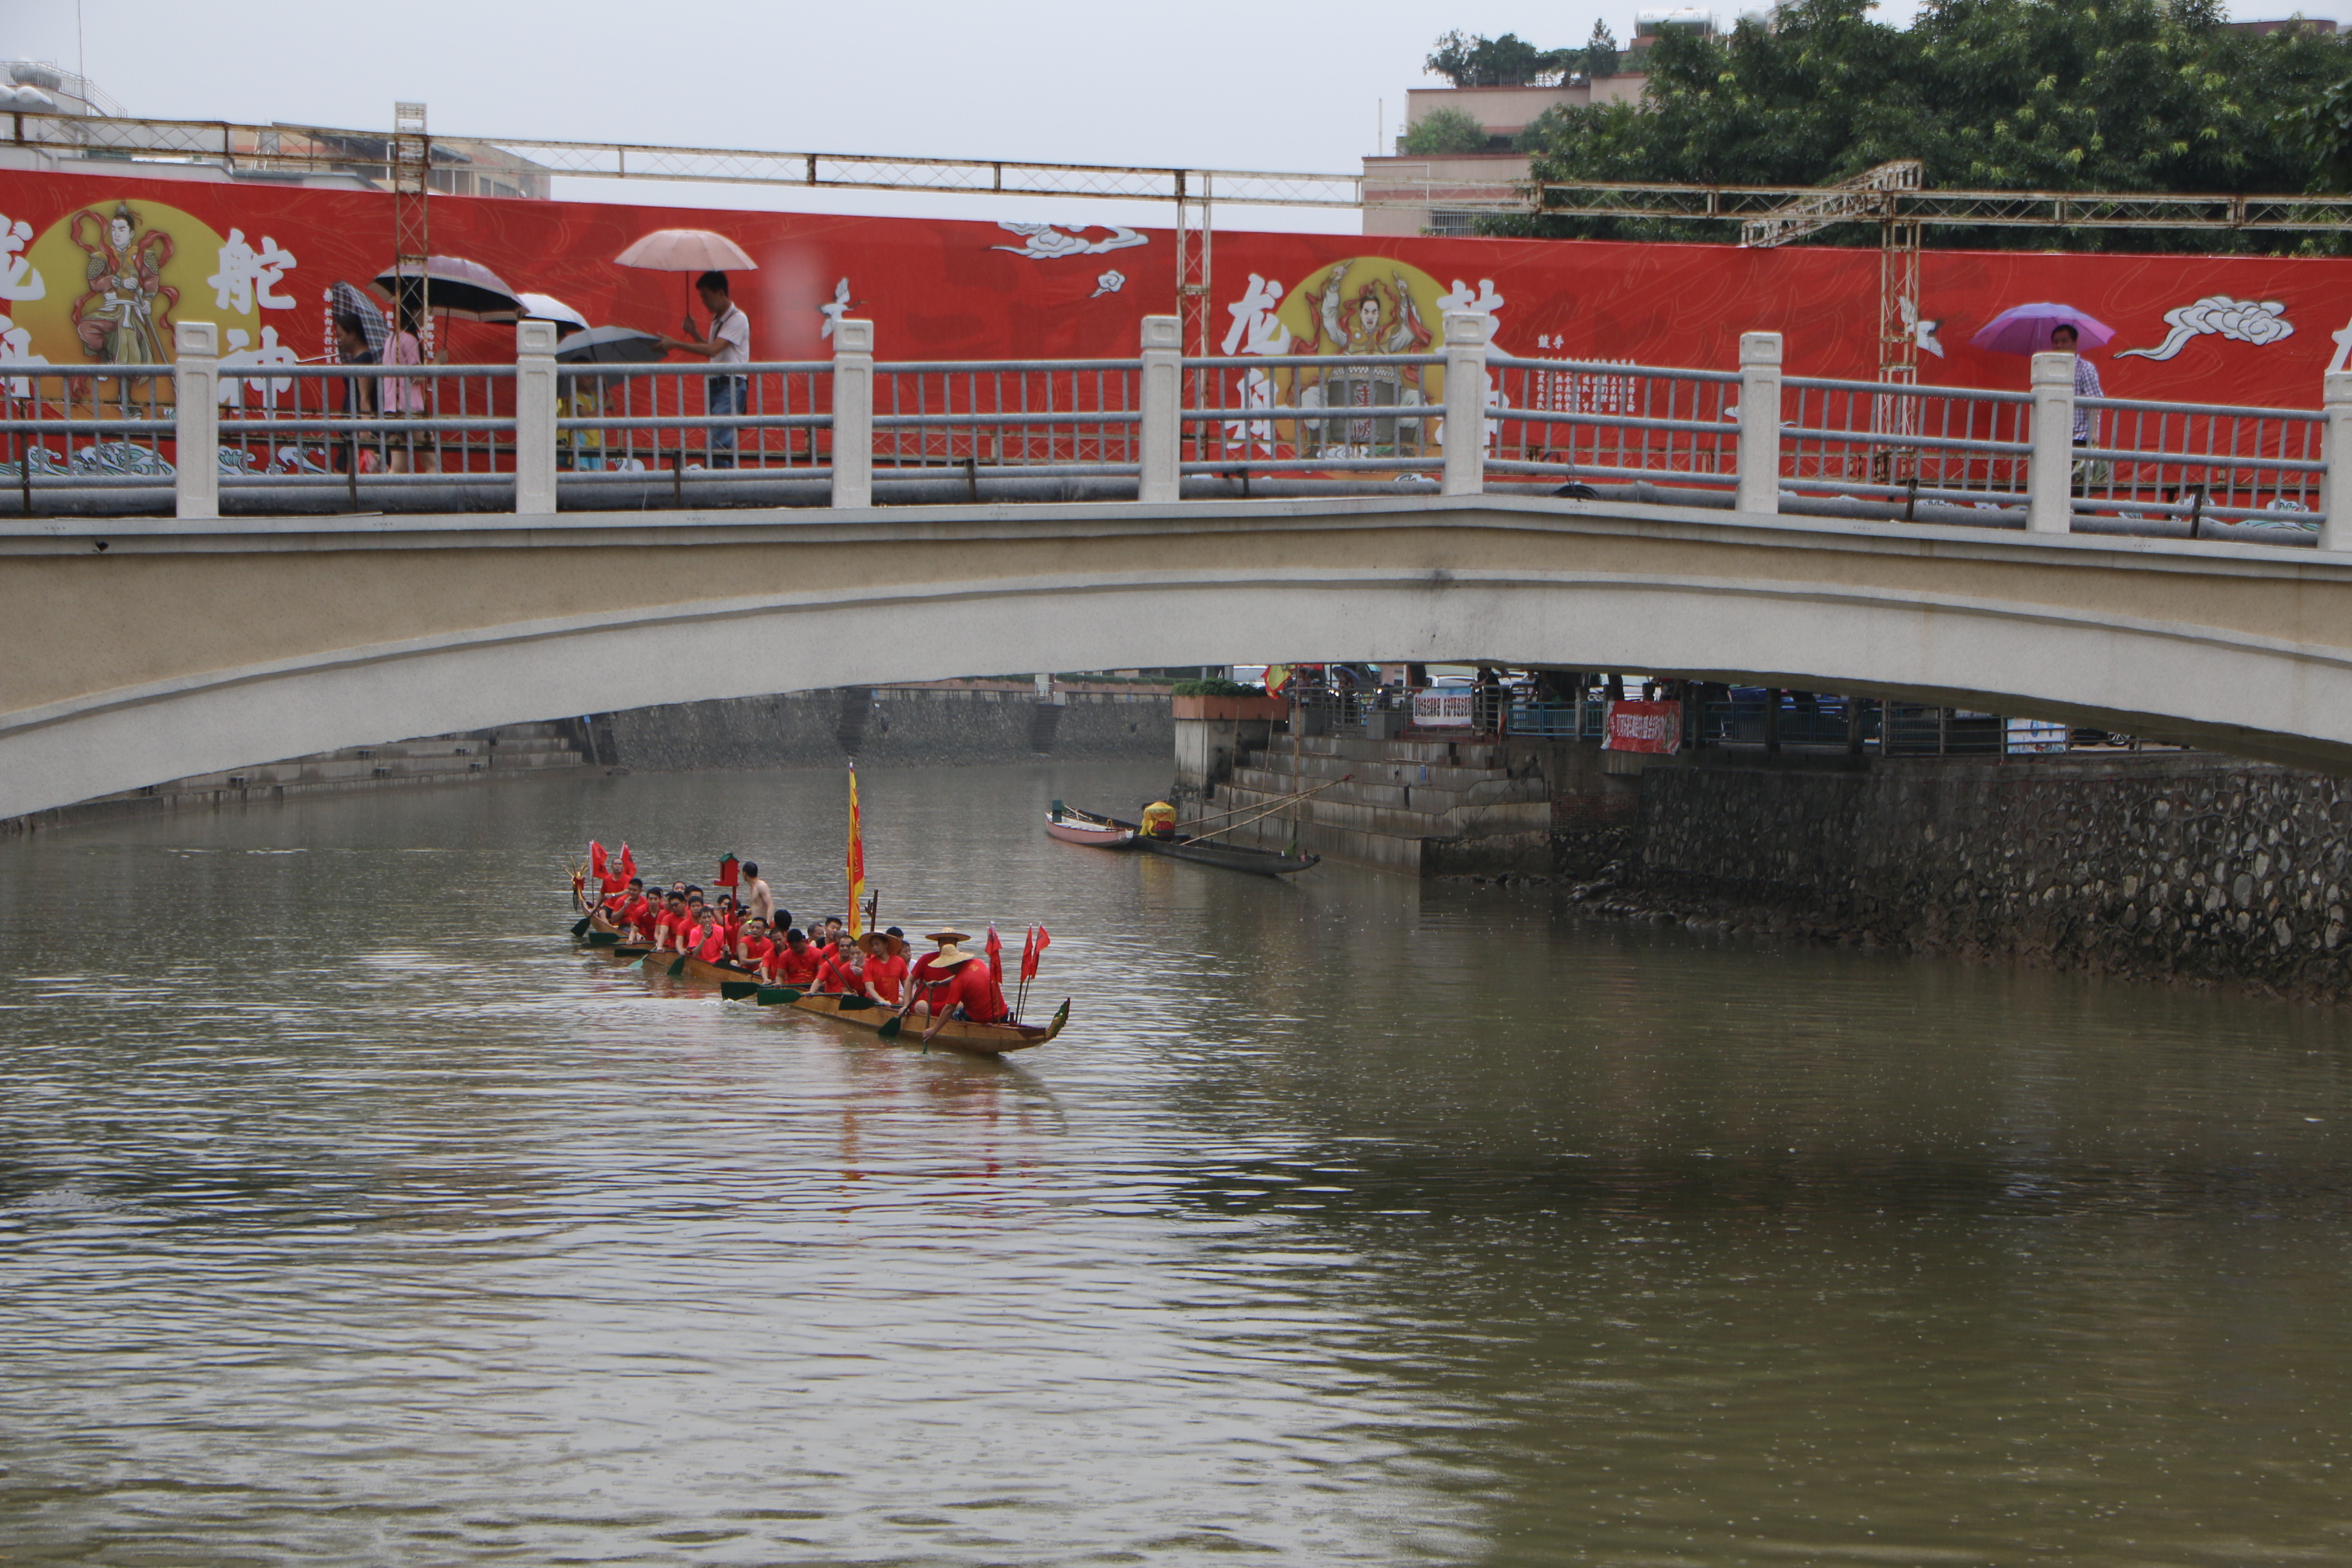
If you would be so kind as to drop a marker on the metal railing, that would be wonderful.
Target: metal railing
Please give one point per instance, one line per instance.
(1582, 420)
(1040, 417)
(542, 434)
(621, 422)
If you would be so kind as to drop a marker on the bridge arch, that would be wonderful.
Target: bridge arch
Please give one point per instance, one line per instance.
(2243, 648)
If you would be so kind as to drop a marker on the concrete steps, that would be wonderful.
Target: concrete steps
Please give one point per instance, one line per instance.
(1422, 806)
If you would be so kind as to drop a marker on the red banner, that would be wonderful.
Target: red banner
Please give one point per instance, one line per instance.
(99, 267)
(1643, 726)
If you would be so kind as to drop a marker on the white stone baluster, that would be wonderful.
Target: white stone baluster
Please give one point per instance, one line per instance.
(1465, 404)
(2050, 470)
(852, 412)
(535, 417)
(1759, 422)
(1162, 403)
(196, 349)
(2335, 485)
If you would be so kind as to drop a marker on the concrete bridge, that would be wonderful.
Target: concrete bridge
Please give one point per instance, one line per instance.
(146, 649)
(1922, 546)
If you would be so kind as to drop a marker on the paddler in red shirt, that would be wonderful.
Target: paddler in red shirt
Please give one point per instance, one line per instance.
(966, 989)
(671, 925)
(711, 937)
(886, 971)
(844, 973)
(795, 963)
(752, 947)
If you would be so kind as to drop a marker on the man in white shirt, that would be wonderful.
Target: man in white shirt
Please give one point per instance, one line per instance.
(729, 343)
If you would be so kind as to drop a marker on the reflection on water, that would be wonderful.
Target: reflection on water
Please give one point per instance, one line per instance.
(348, 1214)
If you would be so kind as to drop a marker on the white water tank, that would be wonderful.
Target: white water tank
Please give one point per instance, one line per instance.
(1652, 22)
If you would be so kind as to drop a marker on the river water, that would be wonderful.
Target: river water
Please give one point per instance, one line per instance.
(348, 1214)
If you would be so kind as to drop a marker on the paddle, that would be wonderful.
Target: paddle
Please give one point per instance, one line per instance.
(738, 990)
(854, 1003)
(770, 996)
(580, 927)
(603, 938)
(890, 1028)
(677, 968)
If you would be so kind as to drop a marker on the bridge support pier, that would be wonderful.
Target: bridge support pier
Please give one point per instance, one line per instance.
(196, 393)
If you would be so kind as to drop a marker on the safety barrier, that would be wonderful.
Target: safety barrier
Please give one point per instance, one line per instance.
(542, 433)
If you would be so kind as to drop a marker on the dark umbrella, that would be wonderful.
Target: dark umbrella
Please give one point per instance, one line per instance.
(456, 286)
(349, 299)
(611, 345)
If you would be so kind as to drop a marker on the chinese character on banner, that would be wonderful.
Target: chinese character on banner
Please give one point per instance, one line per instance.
(247, 276)
(19, 279)
(1655, 727)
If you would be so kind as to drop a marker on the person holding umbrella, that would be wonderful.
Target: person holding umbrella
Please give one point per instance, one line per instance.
(729, 343)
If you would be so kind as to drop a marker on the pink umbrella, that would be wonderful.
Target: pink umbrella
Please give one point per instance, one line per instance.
(688, 250)
(2026, 329)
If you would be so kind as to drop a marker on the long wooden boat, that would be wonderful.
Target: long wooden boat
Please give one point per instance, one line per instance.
(1227, 856)
(956, 1034)
(1075, 826)
(863, 1012)
(1072, 826)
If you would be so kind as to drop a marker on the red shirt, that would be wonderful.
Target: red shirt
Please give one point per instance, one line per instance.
(887, 976)
(711, 941)
(666, 932)
(975, 991)
(756, 951)
(838, 977)
(797, 962)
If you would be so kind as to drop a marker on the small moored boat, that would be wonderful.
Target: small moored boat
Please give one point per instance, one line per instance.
(1072, 826)
(1227, 856)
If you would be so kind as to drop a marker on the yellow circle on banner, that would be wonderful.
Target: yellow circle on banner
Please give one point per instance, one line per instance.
(117, 275)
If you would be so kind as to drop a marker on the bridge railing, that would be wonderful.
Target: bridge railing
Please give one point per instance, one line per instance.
(539, 434)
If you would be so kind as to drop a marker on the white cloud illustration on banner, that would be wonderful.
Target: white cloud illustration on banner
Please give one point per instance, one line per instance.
(19, 278)
(1052, 241)
(1110, 282)
(834, 311)
(2254, 322)
(247, 276)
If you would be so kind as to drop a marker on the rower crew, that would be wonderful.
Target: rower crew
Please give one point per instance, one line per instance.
(959, 986)
(886, 971)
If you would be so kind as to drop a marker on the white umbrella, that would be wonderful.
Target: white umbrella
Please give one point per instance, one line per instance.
(547, 308)
(456, 286)
(686, 250)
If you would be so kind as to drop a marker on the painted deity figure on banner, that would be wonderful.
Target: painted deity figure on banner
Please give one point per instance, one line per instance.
(1380, 319)
(125, 318)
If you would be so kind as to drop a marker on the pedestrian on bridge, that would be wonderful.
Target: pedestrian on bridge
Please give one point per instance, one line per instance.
(729, 343)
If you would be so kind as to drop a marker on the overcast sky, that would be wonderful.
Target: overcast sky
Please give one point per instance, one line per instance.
(1247, 84)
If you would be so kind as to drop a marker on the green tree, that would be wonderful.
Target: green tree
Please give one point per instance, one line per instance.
(2118, 95)
(1599, 57)
(1441, 132)
(1477, 61)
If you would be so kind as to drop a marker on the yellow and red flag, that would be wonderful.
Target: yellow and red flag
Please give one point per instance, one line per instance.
(857, 862)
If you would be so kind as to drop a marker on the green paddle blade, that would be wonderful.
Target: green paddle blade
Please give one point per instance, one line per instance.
(580, 927)
(738, 990)
(604, 939)
(890, 1029)
(680, 967)
(773, 995)
(855, 1003)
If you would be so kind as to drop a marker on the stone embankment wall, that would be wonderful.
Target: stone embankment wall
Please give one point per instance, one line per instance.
(2190, 866)
(946, 724)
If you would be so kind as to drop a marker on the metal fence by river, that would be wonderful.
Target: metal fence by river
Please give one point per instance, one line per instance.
(348, 1214)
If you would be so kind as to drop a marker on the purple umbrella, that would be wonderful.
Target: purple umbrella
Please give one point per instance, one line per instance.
(2026, 329)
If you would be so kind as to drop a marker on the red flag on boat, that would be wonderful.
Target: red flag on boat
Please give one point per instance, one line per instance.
(1028, 952)
(855, 861)
(595, 859)
(629, 862)
(1031, 954)
(996, 955)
